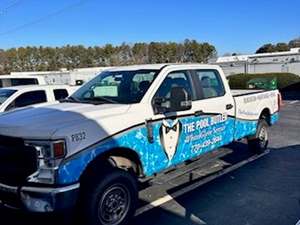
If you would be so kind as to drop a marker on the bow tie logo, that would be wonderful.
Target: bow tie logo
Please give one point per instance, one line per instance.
(168, 129)
(169, 140)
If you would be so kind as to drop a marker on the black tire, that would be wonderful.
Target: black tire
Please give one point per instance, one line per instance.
(259, 142)
(110, 199)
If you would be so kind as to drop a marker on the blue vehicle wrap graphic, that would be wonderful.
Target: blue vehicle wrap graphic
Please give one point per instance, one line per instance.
(171, 146)
(244, 128)
(274, 118)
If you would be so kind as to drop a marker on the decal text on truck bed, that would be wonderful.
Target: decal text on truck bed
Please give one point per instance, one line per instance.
(253, 98)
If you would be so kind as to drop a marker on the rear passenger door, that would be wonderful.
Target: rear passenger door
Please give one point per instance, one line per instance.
(214, 107)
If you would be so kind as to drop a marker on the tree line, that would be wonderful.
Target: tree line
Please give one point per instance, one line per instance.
(279, 47)
(78, 56)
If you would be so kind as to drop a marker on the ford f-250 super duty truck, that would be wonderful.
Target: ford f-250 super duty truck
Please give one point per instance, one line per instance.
(127, 123)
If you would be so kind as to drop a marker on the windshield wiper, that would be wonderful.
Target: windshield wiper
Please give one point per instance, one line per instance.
(101, 99)
(69, 99)
(94, 100)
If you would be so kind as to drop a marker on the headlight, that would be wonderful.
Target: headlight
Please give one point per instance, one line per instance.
(49, 156)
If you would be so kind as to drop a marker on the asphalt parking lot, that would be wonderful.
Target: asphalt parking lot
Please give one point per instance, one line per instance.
(264, 191)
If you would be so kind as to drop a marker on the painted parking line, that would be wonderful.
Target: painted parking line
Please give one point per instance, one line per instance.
(298, 223)
(191, 187)
(293, 102)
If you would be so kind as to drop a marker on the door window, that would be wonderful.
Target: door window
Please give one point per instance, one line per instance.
(29, 98)
(174, 79)
(210, 83)
(60, 94)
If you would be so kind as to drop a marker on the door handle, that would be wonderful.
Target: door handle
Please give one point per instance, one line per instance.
(229, 106)
(199, 113)
(148, 123)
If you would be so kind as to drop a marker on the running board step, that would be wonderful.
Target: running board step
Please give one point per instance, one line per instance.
(208, 169)
(190, 166)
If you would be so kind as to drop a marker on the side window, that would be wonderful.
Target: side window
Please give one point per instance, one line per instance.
(60, 94)
(26, 81)
(174, 79)
(29, 98)
(211, 83)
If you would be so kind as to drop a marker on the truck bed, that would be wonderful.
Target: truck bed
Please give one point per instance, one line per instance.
(249, 105)
(240, 92)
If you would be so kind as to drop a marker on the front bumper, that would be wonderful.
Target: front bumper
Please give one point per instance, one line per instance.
(39, 199)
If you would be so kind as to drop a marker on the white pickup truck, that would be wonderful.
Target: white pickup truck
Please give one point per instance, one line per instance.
(21, 96)
(125, 124)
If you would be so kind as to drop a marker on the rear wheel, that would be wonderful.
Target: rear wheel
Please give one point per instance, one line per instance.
(259, 142)
(110, 200)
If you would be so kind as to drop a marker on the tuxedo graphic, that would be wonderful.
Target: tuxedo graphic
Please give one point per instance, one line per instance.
(169, 133)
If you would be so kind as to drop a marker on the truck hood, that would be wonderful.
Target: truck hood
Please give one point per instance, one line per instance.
(43, 121)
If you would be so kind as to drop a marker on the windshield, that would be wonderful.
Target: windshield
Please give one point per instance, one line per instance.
(125, 87)
(5, 94)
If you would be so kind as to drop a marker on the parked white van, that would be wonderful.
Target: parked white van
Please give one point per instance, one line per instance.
(21, 96)
(19, 80)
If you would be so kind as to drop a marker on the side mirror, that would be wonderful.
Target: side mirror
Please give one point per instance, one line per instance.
(179, 100)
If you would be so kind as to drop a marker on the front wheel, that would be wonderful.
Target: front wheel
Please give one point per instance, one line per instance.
(259, 142)
(110, 200)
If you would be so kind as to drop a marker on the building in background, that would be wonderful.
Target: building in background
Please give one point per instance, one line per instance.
(69, 77)
(288, 61)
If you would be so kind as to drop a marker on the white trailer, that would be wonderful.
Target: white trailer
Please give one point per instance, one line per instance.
(72, 77)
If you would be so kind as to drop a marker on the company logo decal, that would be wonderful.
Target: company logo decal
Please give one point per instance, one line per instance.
(169, 133)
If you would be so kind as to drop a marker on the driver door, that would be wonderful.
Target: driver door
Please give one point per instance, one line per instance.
(169, 147)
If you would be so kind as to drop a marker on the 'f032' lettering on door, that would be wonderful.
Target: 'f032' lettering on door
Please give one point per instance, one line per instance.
(78, 136)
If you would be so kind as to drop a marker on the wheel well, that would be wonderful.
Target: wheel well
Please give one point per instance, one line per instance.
(266, 115)
(121, 158)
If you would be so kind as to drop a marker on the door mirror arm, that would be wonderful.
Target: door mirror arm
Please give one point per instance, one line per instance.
(158, 106)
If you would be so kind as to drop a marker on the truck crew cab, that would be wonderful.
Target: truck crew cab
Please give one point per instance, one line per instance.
(28, 95)
(125, 124)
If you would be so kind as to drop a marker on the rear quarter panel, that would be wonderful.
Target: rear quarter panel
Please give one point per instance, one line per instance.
(249, 108)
